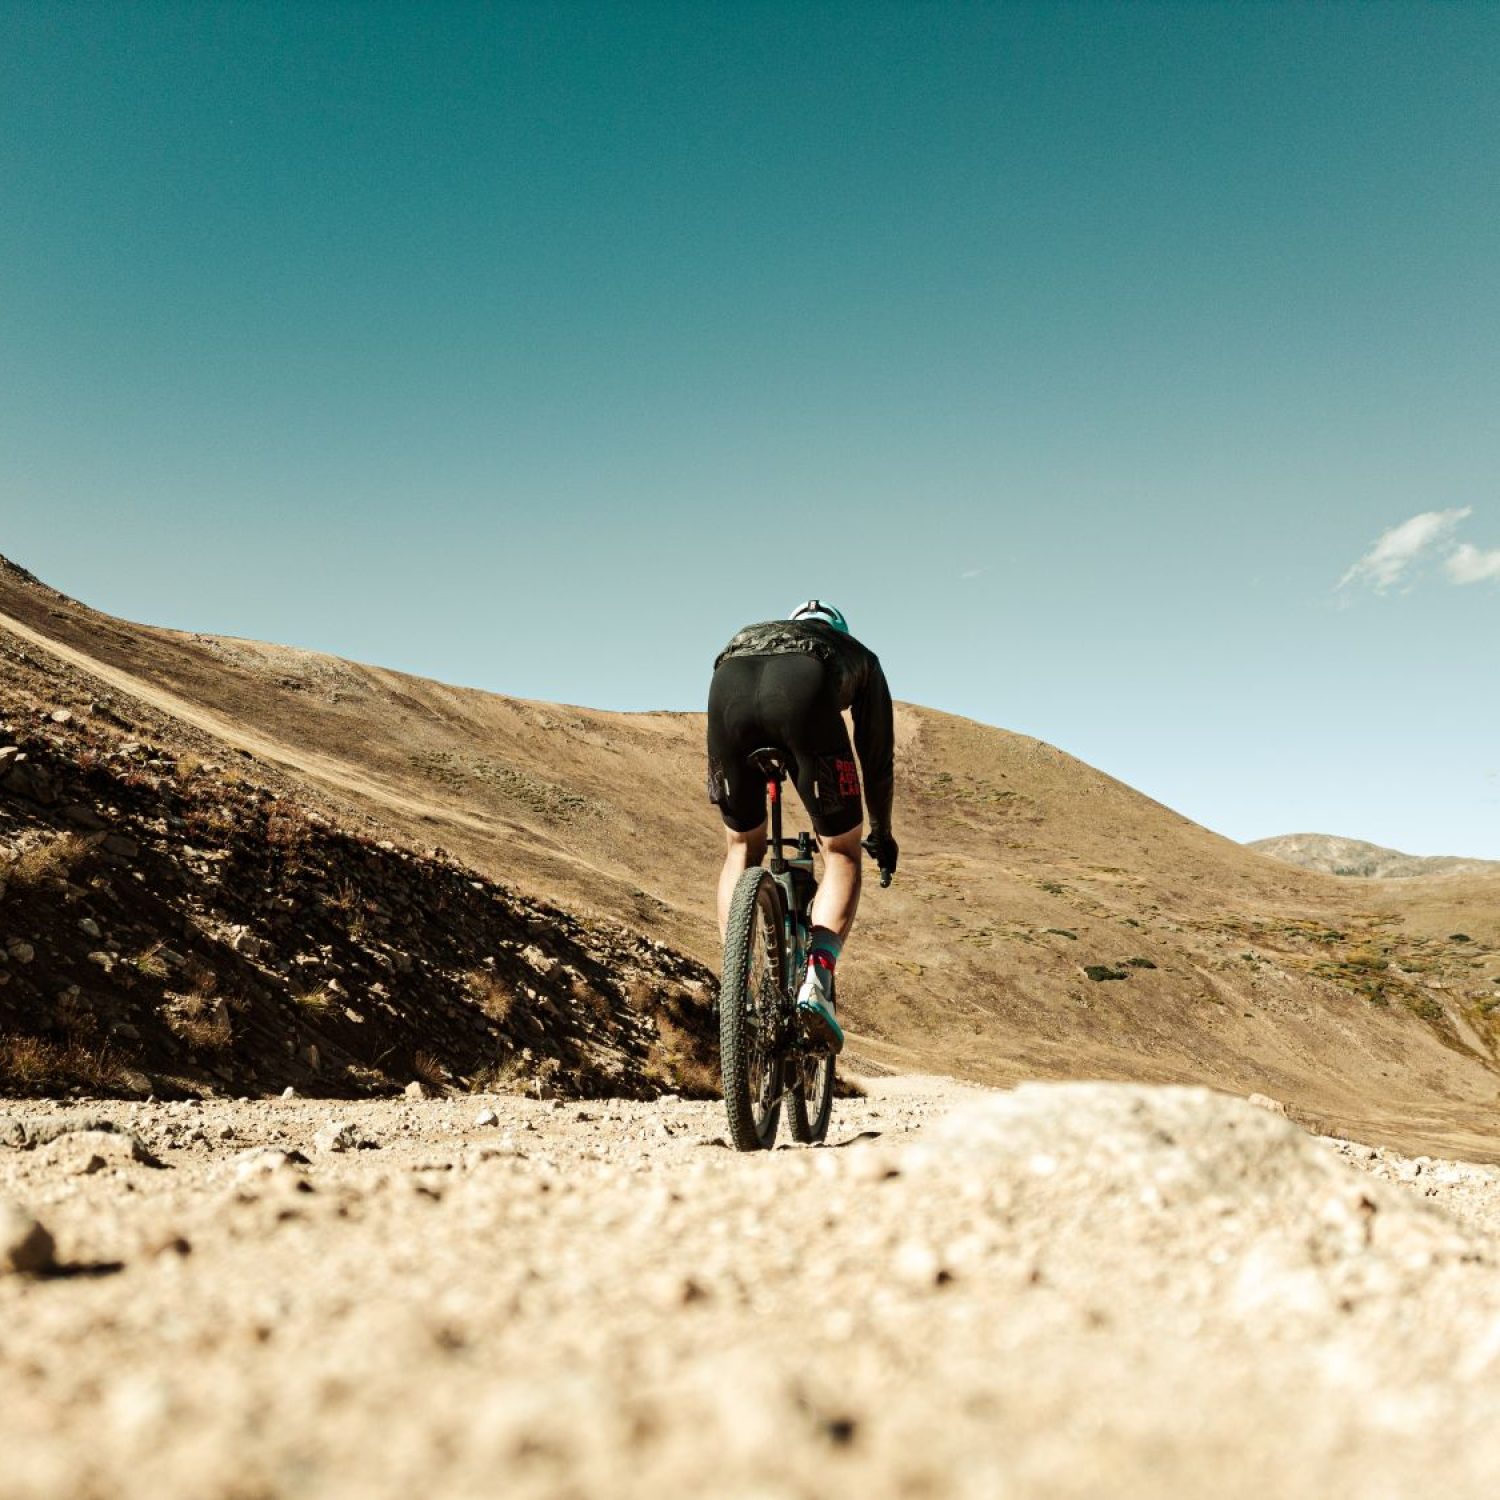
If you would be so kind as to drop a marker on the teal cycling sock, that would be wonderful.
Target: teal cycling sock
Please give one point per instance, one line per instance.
(824, 949)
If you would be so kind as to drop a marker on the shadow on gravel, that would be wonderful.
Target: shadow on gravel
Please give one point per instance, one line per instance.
(81, 1270)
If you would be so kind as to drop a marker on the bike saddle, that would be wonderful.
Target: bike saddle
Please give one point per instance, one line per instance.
(769, 760)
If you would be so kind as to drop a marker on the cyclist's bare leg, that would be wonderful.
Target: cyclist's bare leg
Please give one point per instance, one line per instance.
(838, 891)
(741, 852)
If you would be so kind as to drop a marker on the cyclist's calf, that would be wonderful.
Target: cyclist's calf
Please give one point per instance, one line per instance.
(837, 901)
(742, 852)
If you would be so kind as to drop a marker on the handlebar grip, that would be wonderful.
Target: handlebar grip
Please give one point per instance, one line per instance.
(874, 849)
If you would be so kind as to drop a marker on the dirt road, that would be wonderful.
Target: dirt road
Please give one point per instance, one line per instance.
(327, 770)
(1063, 1291)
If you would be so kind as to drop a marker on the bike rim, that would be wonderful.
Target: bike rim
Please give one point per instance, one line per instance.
(813, 1073)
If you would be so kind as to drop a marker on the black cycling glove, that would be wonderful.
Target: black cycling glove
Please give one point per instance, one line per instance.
(884, 850)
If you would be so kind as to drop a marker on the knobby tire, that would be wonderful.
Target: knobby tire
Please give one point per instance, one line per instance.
(755, 930)
(811, 1103)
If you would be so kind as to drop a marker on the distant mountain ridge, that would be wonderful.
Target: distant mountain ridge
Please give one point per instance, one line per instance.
(1355, 857)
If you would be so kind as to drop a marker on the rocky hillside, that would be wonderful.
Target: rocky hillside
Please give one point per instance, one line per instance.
(1354, 857)
(176, 924)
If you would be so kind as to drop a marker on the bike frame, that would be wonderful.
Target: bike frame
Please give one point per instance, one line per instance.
(797, 905)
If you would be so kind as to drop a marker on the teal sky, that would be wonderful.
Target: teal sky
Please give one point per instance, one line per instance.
(1077, 351)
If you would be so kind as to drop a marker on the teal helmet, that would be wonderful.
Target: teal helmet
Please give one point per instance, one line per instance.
(818, 609)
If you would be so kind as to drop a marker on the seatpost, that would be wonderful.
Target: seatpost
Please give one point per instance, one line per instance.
(773, 792)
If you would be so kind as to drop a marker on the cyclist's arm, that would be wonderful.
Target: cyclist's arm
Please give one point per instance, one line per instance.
(875, 739)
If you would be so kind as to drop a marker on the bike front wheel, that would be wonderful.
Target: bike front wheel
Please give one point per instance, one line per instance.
(752, 1010)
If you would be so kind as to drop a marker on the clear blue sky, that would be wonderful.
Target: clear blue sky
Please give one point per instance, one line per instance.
(1078, 351)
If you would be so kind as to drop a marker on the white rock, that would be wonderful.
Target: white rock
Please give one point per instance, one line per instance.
(338, 1135)
(262, 1161)
(919, 1265)
(81, 1153)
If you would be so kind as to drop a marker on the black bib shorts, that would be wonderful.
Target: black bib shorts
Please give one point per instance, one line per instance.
(786, 700)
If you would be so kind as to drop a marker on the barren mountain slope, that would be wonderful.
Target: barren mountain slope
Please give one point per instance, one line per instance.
(1047, 919)
(1354, 857)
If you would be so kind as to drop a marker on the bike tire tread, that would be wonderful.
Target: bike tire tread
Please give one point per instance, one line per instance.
(734, 1042)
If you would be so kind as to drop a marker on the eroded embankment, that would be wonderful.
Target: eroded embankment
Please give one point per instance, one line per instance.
(172, 923)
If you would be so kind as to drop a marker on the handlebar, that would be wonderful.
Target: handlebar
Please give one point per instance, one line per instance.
(776, 846)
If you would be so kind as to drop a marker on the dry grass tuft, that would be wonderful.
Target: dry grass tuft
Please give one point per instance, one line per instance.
(429, 1069)
(210, 822)
(32, 1063)
(150, 963)
(588, 997)
(286, 827)
(347, 900)
(315, 1000)
(676, 1063)
(201, 1022)
(344, 896)
(56, 859)
(493, 995)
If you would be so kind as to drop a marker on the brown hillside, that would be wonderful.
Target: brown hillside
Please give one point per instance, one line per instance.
(1047, 919)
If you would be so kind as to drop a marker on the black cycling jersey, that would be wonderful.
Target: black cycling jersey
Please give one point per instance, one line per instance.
(786, 683)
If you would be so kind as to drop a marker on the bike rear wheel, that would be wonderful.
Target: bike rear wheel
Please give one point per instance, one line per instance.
(752, 1008)
(811, 1102)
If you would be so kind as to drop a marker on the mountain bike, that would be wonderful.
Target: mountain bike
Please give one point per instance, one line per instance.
(763, 1053)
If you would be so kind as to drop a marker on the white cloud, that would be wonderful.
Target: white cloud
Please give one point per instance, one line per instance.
(972, 572)
(1467, 564)
(1397, 549)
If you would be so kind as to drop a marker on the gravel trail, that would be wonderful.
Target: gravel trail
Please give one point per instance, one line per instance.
(1066, 1290)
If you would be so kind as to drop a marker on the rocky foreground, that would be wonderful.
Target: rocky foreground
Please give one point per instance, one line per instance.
(1068, 1290)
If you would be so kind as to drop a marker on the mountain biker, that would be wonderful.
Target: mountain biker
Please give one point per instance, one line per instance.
(786, 683)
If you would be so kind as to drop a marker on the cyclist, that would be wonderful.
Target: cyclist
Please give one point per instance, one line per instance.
(786, 683)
